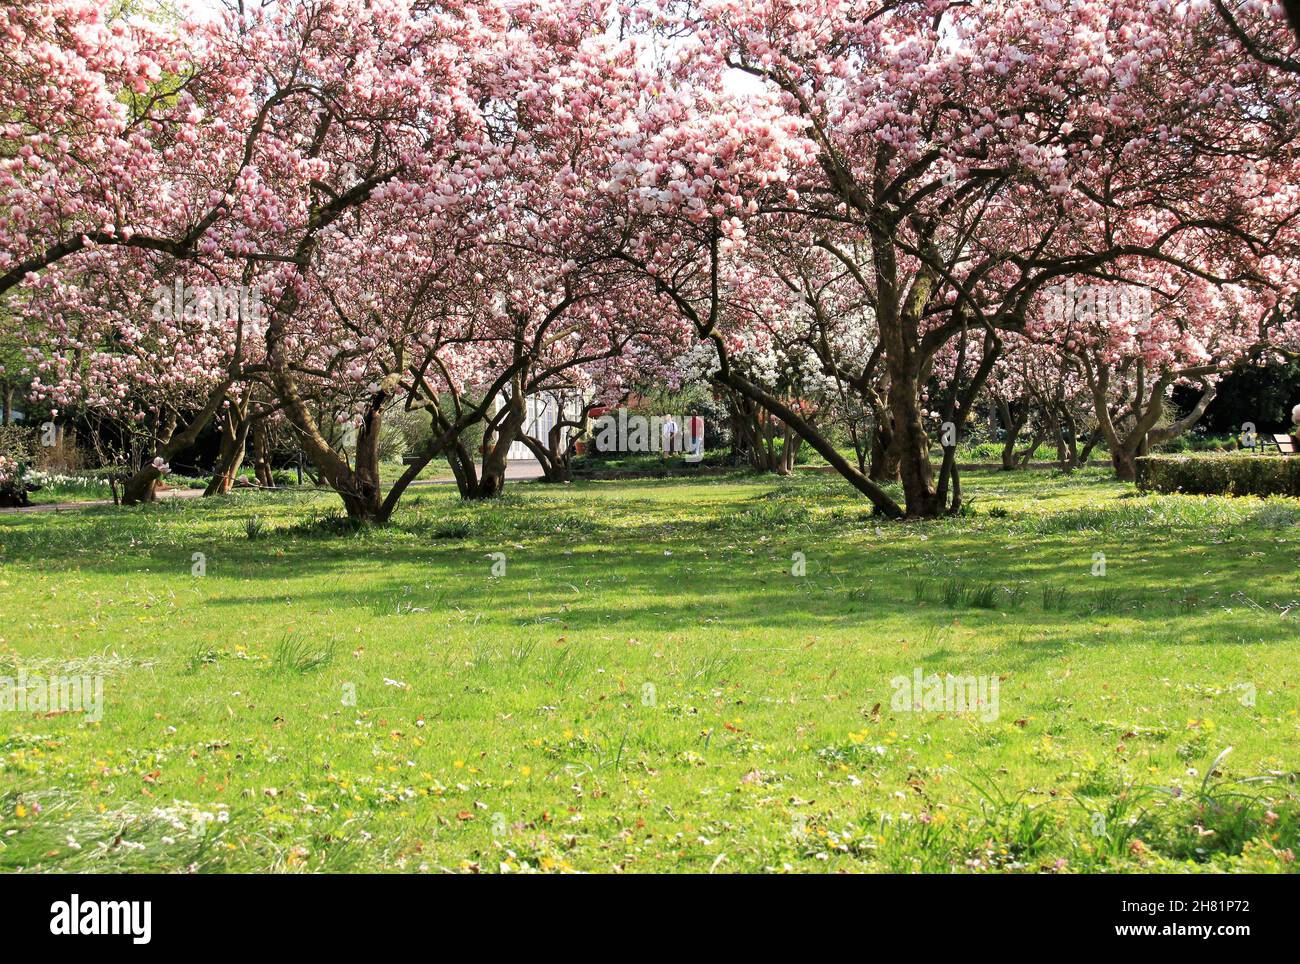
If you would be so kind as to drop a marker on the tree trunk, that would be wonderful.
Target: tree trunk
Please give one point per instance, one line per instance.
(1124, 450)
(958, 410)
(463, 468)
(1086, 452)
(262, 457)
(751, 433)
(557, 466)
(1026, 455)
(143, 485)
(362, 498)
(884, 457)
(920, 499)
(789, 451)
(556, 454)
(496, 448)
(1058, 436)
(230, 456)
(1125, 466)
(755, 435)
(447, 439)
(738, 383)
(785, 458)
(1070, 436)
(1013, 425)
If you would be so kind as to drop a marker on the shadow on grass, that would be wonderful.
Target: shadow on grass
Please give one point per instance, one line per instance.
(679, 554)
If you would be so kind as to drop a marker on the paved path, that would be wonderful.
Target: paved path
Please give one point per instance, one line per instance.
(517, 470)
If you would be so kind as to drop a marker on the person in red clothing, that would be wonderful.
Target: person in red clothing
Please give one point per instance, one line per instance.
(694, 438)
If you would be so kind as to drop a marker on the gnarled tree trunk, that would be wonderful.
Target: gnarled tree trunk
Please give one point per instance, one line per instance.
(1146, 410)
(1013, 419)
(143, 485)
(234, 443)
(502, 432)
(884, 457)
(556, 454)
(262, 456)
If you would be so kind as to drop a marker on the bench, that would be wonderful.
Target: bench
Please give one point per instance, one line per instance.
(1284, 444)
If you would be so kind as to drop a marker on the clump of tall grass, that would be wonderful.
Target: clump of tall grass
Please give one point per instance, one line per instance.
(298, 654)
(328, 524)
(451, 529)
(962, 593)
(1055, 599)
(566, 666)
(1110, 600)
(712, 666)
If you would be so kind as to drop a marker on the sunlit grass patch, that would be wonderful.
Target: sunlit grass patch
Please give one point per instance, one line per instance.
(659, 675)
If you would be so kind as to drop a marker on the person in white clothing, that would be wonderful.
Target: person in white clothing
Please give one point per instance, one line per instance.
(670, 436)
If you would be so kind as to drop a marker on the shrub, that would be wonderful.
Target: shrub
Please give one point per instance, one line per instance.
(1229, 473)
(416, 431)
(18, 443)
(13, 487)
(23, 444)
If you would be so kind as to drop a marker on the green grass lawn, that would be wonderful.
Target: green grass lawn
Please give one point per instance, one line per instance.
(86, 487)
(647, 686)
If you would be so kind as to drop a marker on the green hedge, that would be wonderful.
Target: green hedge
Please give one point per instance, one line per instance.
(18, 443)
(1229, 473)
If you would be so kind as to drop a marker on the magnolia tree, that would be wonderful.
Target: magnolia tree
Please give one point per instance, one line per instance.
(434, 233)
(100, 118)
(168, 150)
(88, 109)
(1038, 397)
(988, 151)
(447, 209)
(549, 303)
(1131, 345)
(371, 103)
(113, 334)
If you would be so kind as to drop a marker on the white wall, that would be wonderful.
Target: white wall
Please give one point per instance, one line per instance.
(542, 413)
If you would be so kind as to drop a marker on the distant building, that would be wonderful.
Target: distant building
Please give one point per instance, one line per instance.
(543, 411)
